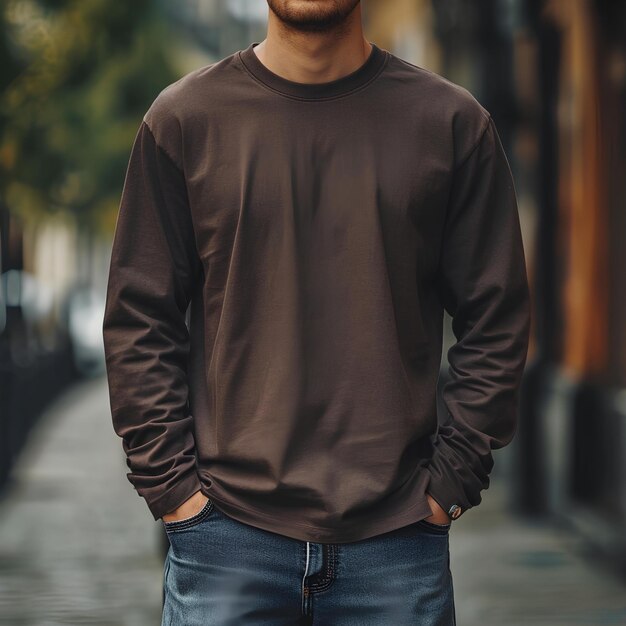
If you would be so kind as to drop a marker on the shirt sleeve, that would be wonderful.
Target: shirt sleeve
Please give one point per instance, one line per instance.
(154, 265)
(483, 285)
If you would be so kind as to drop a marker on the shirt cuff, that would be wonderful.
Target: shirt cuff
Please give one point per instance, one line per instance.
(176, 495)
(446, 487)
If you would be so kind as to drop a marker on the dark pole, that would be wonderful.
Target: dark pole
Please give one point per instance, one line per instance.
(532, 452)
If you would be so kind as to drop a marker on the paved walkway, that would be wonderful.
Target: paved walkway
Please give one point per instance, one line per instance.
(520, 572)
(78, 546)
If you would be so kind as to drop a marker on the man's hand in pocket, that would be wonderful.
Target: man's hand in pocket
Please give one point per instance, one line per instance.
(439, 516)
(187, 509)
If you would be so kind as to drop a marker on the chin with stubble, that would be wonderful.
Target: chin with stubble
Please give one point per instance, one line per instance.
(312, 15)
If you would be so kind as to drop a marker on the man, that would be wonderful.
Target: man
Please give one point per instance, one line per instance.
(318, 202)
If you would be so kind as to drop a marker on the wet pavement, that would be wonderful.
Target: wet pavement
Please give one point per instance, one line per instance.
(78, 546)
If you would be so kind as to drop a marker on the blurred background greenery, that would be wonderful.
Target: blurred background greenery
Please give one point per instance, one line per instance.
(75, 77)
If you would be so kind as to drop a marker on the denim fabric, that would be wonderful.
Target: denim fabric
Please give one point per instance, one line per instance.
(219, 571)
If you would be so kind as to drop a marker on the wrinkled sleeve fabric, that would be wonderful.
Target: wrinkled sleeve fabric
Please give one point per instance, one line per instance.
(154, 265)
(483, 285)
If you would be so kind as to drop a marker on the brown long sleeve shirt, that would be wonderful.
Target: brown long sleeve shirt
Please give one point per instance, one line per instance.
(314, 234)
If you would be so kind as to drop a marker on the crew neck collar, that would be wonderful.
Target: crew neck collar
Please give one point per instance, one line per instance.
(315, 91)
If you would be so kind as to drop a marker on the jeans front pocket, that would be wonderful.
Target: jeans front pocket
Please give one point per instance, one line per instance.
(441, 529)
(189, 522)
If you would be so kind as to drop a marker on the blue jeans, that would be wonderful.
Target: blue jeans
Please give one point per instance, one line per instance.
(219, 571)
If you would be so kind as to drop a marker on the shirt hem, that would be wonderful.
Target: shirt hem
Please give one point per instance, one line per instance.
(296, 529)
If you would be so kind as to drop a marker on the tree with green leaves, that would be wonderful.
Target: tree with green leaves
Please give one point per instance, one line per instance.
(76, 77)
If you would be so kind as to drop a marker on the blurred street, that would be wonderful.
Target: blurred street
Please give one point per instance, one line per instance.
(77, 546)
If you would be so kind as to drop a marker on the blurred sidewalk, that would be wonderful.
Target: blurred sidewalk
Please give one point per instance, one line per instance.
(78, 546)
(522, 572)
